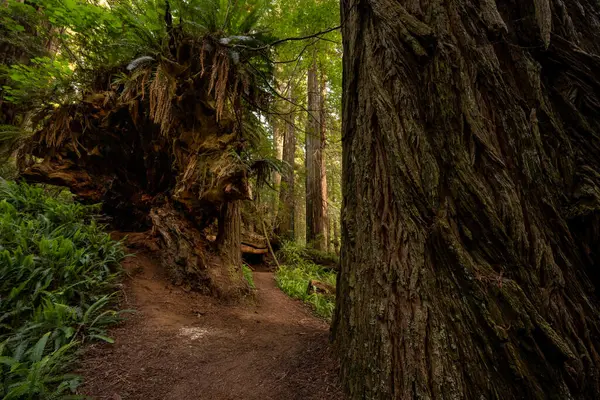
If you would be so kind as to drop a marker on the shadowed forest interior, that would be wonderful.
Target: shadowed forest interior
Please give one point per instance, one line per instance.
(299, 199)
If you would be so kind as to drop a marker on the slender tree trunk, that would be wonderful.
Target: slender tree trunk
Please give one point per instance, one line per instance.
(315, 217)
(329, 236)
(278, 138)
(336, 237)
(287, 200)
(471, 159)
(335, 229)
(322, 145)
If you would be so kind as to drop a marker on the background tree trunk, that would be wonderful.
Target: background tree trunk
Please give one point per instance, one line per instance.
(278, 138)
(287, 201)
(471, 171)
(315, 217)
(322, 146)
(336, 237)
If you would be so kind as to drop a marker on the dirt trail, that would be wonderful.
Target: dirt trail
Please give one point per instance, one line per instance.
(181, 345)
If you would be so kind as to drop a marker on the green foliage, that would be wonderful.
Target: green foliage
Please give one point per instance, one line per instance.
(10, 139)
(248, 276)
(293, 277)
(57, 272)
(81, 38)
(8, 168)
(43, 78)
(19, 33)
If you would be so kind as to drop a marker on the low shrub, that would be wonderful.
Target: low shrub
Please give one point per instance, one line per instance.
(293, 278)
(248, 276)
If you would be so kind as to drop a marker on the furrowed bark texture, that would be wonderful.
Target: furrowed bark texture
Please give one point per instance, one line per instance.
(229, 240)
(469, 261)
(315, 213)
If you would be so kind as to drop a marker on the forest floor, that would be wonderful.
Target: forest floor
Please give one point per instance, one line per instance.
(182, 345)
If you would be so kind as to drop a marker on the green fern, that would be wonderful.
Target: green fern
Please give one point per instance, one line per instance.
(248, 276)
(58, 269)
(293, 277)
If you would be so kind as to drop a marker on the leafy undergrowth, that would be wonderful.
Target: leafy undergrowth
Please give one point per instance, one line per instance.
(58, 271)
(293, 277)
(248, 276)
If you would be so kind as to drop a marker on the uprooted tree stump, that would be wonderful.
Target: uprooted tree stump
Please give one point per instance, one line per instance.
(164, 149)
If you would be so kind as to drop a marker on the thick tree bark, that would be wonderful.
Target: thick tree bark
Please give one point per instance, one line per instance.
(229, 241)
(471, 183)
(287, 201)
(316, 235)
(229, 238)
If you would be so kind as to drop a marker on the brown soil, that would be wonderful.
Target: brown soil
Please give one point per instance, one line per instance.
(181, 345)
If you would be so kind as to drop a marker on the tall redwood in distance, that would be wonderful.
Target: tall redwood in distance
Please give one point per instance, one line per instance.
(316, 226)
(278, 139)
(287, 202)
(322, 145)
(471, 180)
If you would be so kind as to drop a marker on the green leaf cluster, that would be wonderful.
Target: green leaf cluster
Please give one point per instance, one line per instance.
(58, 270)
(293, 277)
(248, 276)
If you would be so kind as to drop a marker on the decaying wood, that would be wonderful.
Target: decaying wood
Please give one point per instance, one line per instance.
(253, 250)
(161, 149)
(322, 258)
(315, 286)
(471, 170)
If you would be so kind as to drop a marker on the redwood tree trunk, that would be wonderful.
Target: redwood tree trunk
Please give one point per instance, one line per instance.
(336, 237)
(315, 213)
(229, 240)
(278, 137)
(287, 200)
(322, 145)
(471, 181)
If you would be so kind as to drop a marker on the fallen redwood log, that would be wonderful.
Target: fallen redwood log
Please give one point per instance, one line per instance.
(248, 248)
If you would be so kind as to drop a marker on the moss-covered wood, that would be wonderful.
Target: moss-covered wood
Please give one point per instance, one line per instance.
(161, 145)
(469, 260)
